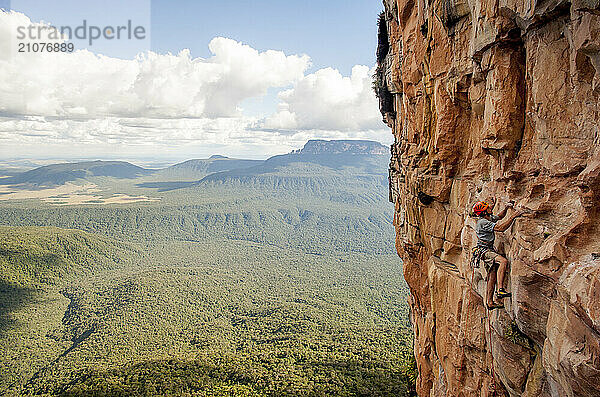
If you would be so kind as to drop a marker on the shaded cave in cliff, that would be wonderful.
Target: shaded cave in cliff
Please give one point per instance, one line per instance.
(383, 45)
(386, 99)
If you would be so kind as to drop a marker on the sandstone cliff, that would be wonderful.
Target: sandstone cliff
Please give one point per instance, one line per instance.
(497, 98)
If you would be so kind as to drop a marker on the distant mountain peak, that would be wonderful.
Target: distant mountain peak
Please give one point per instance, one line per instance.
(58, 174)
(321, 146)
(217, 156)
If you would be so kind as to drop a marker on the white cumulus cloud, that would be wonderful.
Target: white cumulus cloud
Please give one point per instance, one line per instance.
(85, 84)
(327, 100)
(174, 102)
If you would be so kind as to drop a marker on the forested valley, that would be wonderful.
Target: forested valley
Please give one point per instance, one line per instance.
(234, 278)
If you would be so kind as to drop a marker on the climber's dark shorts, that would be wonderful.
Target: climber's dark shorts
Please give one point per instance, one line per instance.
(489, 260)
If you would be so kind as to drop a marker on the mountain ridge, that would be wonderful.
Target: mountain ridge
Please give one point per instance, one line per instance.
(336, 146)
(58, 174)
(335, 154)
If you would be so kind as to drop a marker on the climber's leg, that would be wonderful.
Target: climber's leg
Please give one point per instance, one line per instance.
(491, 283)
(502, 266)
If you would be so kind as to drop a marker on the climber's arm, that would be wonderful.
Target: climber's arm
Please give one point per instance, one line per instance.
(502, 213)
(505, 223)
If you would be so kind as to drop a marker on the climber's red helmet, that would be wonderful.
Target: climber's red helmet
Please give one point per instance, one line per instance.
(481, 208)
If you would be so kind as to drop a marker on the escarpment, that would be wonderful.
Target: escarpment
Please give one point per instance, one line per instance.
(497, 99)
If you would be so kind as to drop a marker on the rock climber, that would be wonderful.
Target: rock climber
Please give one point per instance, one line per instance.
(494, 263)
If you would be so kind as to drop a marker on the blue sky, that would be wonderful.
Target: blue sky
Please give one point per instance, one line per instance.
(251, 78)
(333, 33)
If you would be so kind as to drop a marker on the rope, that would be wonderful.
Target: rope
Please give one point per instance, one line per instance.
(493, 385)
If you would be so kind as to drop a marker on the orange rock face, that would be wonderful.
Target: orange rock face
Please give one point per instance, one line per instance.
(497, 98)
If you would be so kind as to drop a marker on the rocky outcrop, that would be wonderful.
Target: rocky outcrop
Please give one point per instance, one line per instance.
(497, 98)
(321, 146)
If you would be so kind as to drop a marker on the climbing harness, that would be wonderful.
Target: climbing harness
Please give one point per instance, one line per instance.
(477, 256)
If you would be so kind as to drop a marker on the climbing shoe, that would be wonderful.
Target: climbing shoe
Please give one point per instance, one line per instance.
(494, 306)
(501, 294)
